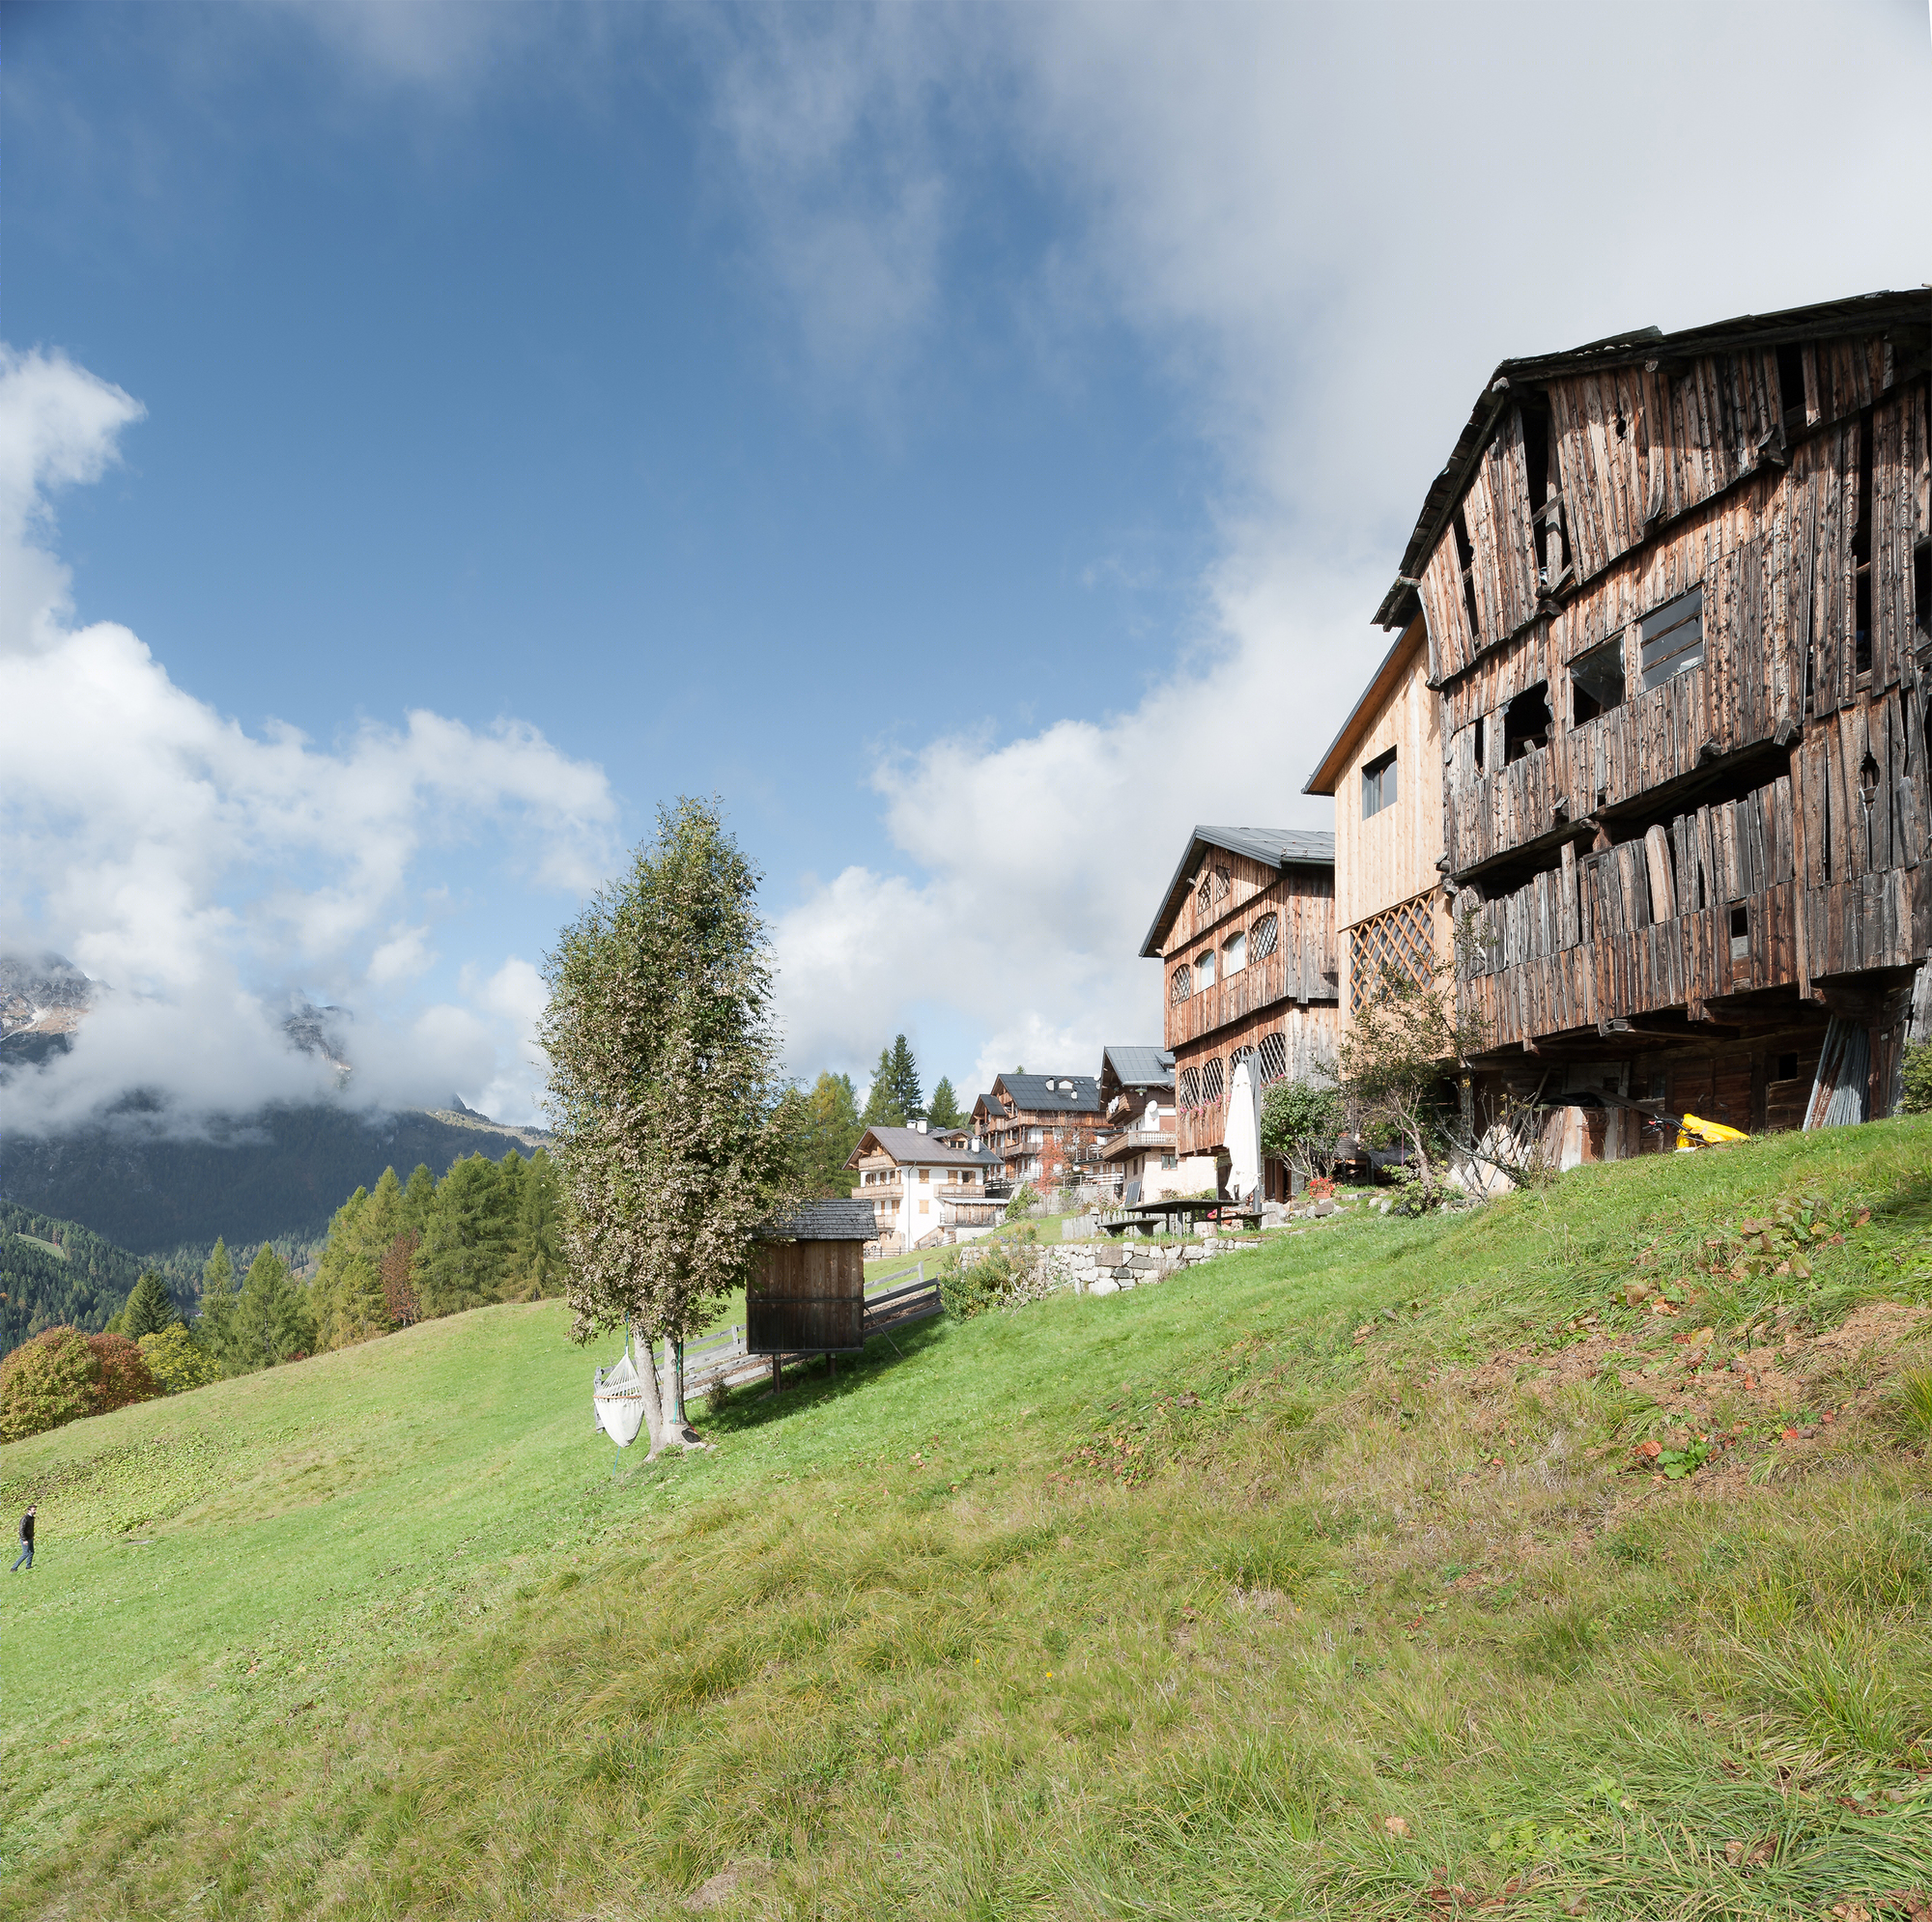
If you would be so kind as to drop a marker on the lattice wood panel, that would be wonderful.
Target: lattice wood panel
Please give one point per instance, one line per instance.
(1401, 938)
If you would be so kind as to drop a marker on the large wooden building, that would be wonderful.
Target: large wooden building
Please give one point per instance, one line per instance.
(1044, 1128)
(1245, 936)
(1676, 594)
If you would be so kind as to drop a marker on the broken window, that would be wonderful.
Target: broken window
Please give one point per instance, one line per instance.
(1741, 932)
(1527, 722)
(1672, 638)
(1791, 385)
(1787, 1068)
(1378, 784)
(1549, 544)
(1234, 953)
(1261, 944)
(1597, 682)
(1183, 984)
(1465, 566)
(1204, 969)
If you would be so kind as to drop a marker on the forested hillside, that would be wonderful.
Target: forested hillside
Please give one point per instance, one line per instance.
(274, 1176)
(54, 1271)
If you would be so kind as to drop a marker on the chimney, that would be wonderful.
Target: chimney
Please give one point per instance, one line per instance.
(919, 1124)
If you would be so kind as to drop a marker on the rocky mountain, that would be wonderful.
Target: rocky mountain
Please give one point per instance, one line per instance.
(273, 1175)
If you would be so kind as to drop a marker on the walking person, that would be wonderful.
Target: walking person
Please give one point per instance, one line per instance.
(26, 1554)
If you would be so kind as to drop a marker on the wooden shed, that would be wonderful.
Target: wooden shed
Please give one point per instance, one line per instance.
(808, 1295)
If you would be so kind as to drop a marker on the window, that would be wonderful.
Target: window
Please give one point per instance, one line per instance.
(1378, 784)
(1204, 895)
(1527, 722)
(1597, 682)
(1170, 1161)
(1183, 984)
(1479, 736)
(1204, 969)
(1261, 942)
(1791, 384)
(1922, 587)
(1223, 882)
(1211, 1080)
(1234, 953)
(1187, 1092)
(1672, 638)
(1787, 1068)
(1741, 932)
(1465, 566)
(1861, 619)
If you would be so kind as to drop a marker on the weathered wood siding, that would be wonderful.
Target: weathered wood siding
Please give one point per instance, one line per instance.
(1288, 1039)
(1241, 894)
(806, 1296)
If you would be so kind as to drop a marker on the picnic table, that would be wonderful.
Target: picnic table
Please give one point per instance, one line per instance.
(1146, 1215)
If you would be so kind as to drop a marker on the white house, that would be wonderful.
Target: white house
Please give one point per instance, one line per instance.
(922, 1189)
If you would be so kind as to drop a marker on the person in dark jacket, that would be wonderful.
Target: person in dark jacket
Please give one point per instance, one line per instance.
(26, 1554)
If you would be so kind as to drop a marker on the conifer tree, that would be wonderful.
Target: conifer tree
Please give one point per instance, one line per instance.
(882, 1110)
(149, 1307)
(464, 1254)
(943, 1113)
(676, 1132)
(536, 1255)
(271, 1321)
(214, 1323)
(832, 1131)
(904, 1073)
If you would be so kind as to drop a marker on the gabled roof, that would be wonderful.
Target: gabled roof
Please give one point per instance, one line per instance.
(1272, 847)
(1052, 1093)
(905, 1144)
(1381, 684)
(1138, 1067)
(1865, 313)
(989, 1102)
(833, 1220)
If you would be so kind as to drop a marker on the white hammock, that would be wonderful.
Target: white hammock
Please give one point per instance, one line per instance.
(618, 1401)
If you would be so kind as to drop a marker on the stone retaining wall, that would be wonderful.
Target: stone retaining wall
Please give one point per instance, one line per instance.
(1122, 1264)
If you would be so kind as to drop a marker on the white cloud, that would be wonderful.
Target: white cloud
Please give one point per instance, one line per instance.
(198, 870)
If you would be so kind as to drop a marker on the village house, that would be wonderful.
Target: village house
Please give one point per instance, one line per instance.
(1140, 1156)
(1245, 936)
(921, 1190)
(1045, 1128)
(1672, 595)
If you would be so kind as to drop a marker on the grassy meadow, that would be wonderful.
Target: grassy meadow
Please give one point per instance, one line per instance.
(1500, 1562)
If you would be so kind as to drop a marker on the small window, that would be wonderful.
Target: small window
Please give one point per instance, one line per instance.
(1479, 735)
(1791, 384)
(1204, 894)
(1182, 985)
(1527, 722)
(1169, 1161)
(1234, 953)
(1673, 638)
(1204, 969)
(1211, 1080)
(1597, 682)
(1787, 1068)
(1741, 932)
(1261, 944)
(1187, 1091)
(1379, 784)
(1223, 882)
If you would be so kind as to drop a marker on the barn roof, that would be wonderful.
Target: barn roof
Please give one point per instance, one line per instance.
(1863, 313)
(1272, 847)
(838, 1219)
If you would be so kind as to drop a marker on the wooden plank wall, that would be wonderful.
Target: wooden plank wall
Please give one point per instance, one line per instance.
(1775, 562)
(1301, 969)
(1641, 926)
(1391, 856)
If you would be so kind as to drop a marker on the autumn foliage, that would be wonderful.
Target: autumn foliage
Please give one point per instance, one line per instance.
(62, 1375)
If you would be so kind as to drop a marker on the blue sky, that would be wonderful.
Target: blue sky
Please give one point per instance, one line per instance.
(970, 442)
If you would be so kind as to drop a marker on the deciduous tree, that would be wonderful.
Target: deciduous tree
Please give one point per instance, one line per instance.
(677, 1135)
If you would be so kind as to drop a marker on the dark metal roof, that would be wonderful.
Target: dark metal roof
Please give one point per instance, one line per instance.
(833, 1220)
(1865, 313)
(1046, 1093)
(909, 1145)
(1138, 1067)
(1273, 847)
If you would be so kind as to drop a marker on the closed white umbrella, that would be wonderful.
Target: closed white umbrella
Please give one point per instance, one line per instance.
(1244, 1135)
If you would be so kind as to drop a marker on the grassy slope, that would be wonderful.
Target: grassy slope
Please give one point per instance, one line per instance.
(1154, 1605)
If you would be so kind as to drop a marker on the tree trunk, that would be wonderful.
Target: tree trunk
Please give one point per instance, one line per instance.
(654, 1414)
(674, 1414)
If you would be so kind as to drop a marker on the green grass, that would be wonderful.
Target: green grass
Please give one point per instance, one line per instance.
(1157, 1606)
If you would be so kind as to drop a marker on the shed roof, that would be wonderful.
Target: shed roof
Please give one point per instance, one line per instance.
(1862, 313)
(1272, 847)
(835, 1219)
(1138, 1067)
(1053, 1093)
(909, 1145)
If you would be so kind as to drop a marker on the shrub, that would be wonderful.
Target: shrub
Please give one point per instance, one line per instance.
(177, 1361)
(63, 1374)
(1301, 1121)
(1918, 1097)
(1023, 1202)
